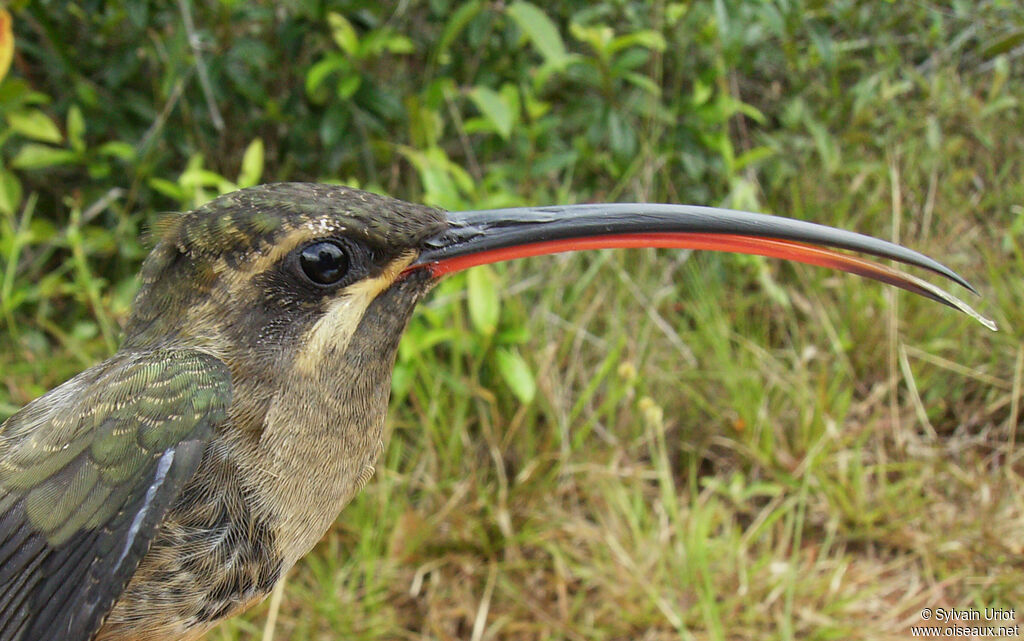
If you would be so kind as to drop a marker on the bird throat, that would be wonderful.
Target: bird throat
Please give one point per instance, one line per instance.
(323, 432)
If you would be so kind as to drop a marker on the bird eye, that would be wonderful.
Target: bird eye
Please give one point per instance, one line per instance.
(324, 262)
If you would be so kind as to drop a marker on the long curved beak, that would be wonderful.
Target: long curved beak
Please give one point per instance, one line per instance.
(488, 236)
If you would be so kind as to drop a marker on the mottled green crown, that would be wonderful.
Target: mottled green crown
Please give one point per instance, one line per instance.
(229, 233)
(254, 219)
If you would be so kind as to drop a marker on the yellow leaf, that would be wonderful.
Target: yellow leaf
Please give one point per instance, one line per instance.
(6, 42)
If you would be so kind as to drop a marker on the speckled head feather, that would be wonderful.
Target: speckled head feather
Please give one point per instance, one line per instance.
(255, 219)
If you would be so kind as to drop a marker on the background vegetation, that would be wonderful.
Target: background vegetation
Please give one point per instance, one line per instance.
(623, 445)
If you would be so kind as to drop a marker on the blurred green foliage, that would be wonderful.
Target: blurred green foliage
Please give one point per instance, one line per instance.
(116, 112)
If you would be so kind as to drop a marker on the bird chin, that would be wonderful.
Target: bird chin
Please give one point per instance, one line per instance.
(413, 282)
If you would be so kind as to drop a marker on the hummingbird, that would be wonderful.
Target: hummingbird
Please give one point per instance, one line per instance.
(174, 484)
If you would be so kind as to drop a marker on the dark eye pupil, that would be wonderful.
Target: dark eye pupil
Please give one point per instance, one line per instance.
(324, 263)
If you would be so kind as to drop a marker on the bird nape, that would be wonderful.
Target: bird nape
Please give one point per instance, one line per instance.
(173, 485)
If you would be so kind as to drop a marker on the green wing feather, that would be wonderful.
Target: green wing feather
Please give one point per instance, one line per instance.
(97, 462)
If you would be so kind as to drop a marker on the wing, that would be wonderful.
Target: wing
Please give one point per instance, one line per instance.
(87, 473)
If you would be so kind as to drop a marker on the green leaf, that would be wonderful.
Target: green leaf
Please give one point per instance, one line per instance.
(443, 180)
(644, 82)
(34, 124)
(343, 32)
(399, 44)
(425, 124)
(170, 189)
(10, 192)
(199, 177)
(484, 303)
(541, 31)
(495, 109)
(826, 145)
(755, 155)
(456, 23)
(1003, 44)
(252, 164)
(76, 129)
(621, 134)
(318, 73)
(675, 12)
(118, 149)
(599, 37)
(349, 85)
(750, 111)
(517, 374)
(701, 92)
(33, 156)
(647, 39)
(402, 378)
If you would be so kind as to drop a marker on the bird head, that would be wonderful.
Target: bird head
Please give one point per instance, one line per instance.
(270, 272)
